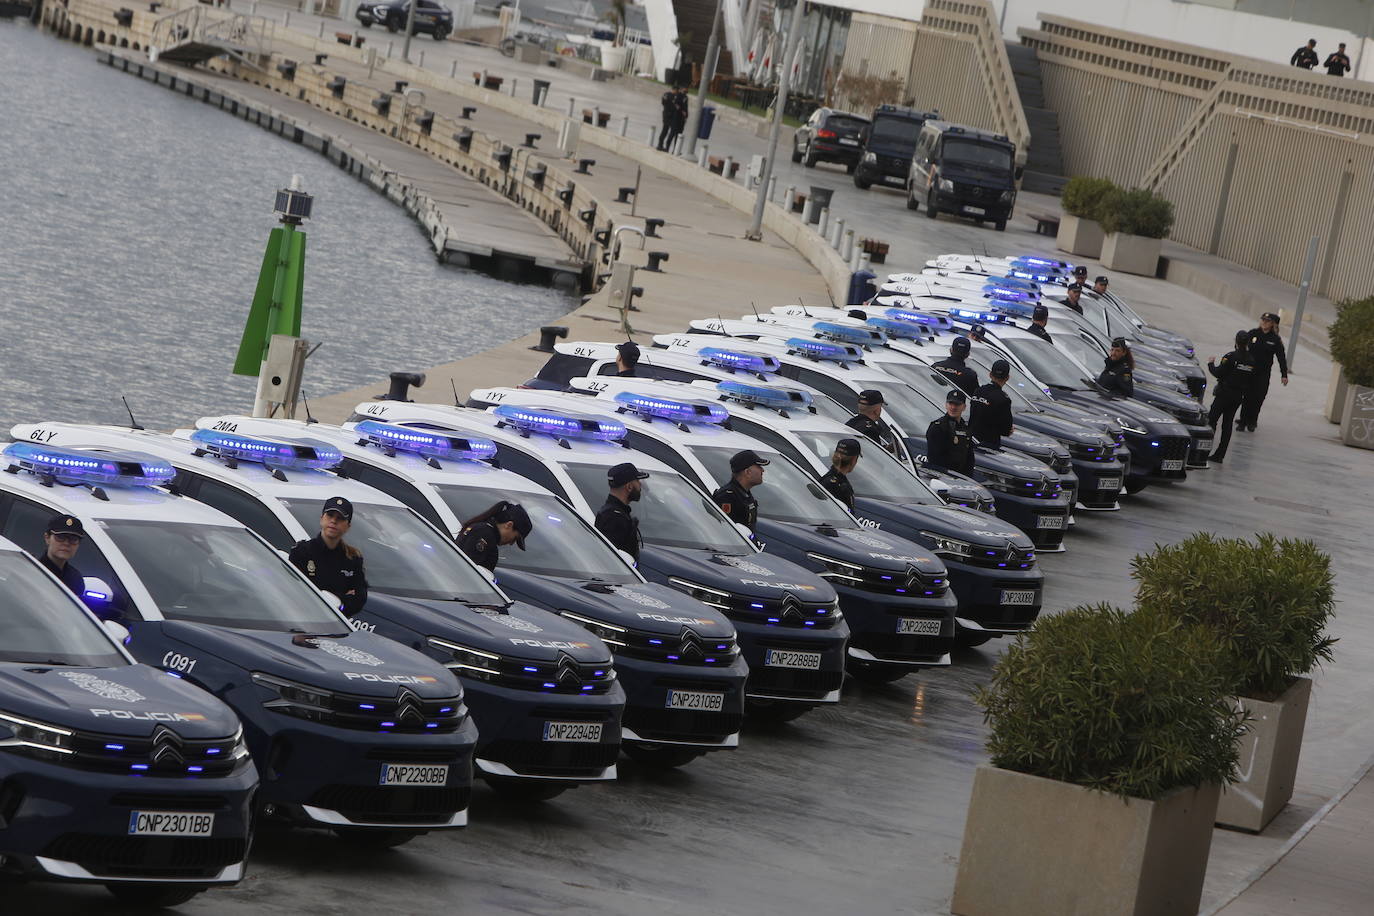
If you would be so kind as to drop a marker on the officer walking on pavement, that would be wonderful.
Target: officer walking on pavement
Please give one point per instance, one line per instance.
(61, 540)
(949, 443)
(614, 518)
(869, 420)
(1235, 374)
(1118, 366)
(842, 464)
(626, 358)
(955, 369)
(1265, 346)
(331, 564)
(483, 535)
(735, 498)
(991, 418)
(1039, 318)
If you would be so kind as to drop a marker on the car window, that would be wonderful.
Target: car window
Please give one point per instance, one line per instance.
(531, 468)
(877, 475)
(563, 368)
(977, 155)
(25, 524)
(671, 511)
(41, 625)
(665, 453)
(392, 485)
(842, 122)
(897, 131)
(787, 494)
(242, 507)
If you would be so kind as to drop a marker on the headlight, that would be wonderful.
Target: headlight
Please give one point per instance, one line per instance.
(712, 596)
(995, 481)
(1128, 427)
(468, 662)
(610, 634)
(37, 739)
(1007, 197)
(838, 569)
(870, 157)
(946, 185)
(293, 699)
(948, 546)
(240, 748)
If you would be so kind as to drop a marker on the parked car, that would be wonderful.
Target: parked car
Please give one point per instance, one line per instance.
(830, 136)
(965, 172)
(888, 145)
(430, 17)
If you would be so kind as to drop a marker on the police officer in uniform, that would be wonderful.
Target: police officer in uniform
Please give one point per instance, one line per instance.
(869, 420)
(614, 518)
(1265, 346)
(954, 368)
(626, 358)
(991, 418)
(1118, 366)
(331, 564)
(1074, 293)
(949, 444)
(1039, 318)
(483, 535)
(1080, 275)
(1235, 374)
(735, 498)
(61, 540)
(1100, 285)
(842, 464)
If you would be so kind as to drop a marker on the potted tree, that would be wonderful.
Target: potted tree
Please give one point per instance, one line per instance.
(1110, 739)
(613, 57)
(1352, 350)
(1080, 232)
(1268, 602)
(1134, 222)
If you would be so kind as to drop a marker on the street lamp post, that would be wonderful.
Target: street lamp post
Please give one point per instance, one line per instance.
(708, 73)
(410, 29)
(793, 36)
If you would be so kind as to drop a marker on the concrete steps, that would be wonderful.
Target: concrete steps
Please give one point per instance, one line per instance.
(1045, 161)
(694, 18)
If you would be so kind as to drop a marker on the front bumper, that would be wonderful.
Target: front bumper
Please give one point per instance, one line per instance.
(997, 600)
(1099, 483)
(1163, 458)
(973, 207)
(769, 680)
(834, 152)
(876, 619)
(648, 690)
(1044, 521)
(513, 739)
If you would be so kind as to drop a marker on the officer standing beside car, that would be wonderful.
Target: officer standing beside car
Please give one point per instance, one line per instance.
(1265, 346)
(949, 443)
(61, 541)
(614, 518)
(955, 369)
(1235, 374)
(736, 498)
(1039, 318)
(483, 535)
(869, 420)
(842, 464)
(1116, 375)
(992, 408)
(329, 562)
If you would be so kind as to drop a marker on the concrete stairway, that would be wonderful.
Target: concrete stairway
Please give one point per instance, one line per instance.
(1045, 165)
(694, 19)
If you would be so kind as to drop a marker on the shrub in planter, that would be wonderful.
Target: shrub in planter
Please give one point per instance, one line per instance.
(1080, 233)
(1136, 212)
(1352, 340)
(1083, 196)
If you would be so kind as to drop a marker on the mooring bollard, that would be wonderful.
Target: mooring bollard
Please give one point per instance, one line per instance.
(453, 70)
(824, 222)
(772, 186)
(787, 197)
(702, 153)
(847, 249)
(726, 169)
(837, 233)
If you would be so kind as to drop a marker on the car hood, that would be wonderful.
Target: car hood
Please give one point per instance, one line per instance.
(131, 700)
(760, 575)
(957, 522)
(520, 629)
(1154, 420)
(1065, 429)
(866, 547)
(1036, 443)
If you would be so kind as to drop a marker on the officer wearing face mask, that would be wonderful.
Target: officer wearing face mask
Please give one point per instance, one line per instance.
(614, 518)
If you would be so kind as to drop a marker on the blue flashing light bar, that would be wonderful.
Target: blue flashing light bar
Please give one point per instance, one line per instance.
(863, 337)
(674, 409)
(739, 359)
(564, 424)
(901, 330)
(274, 453)
(82, 468)
(979, 315)
(1052, 263)
(1030, 275)
(927, 318)
(765, 395)
(819, 349)
(1009, 293)
(1017, 282)
(426, 442)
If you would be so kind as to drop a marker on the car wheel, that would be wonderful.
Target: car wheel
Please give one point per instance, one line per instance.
(526, 790)
(376, 837)
(394, 23)
(861, 183)
(151, 896)
(850, 167)
(440, 33)
(366, 25)
(1001, 225)
(932, 211)
(809, 158)
(664, 757)
(870, 673)
(911, 202)
(796, 153)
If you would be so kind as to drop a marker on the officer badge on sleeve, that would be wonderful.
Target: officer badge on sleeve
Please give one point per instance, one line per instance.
(310, 568)
(482, 545)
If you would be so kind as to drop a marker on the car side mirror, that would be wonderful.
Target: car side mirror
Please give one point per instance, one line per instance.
(629, 560)
(333, 600)
(748, 535)
(97, 595)
(117, 630)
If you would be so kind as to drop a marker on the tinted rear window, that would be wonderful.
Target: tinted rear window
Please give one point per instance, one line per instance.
(843, 122)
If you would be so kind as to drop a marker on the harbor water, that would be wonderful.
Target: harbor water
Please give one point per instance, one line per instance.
(132, 226)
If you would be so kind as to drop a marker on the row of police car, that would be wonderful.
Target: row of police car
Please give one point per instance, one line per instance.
(200, 682)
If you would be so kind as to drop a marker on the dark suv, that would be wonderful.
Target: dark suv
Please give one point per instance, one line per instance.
(888, 145)
(429, 16)
(964, 172)
(830, 136)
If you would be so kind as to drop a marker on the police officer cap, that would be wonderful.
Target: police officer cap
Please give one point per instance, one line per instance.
(1000, 369)
(622, 474)
(1080, 271)
(740, 461)
(1041, 313)
(870, 397)
(1270, 316)
(516, 514)
(340, 506)
(1075, 287)
(1119, 343)
(1242, 338)
(955, 396)
(629, 351)
(1102, 279)
(960, 346)
(66, 524)
(850, 448)
(978, 332)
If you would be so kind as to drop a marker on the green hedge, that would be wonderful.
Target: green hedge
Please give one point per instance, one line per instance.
(1083, 196)
(1352, 340)
(1136, 212)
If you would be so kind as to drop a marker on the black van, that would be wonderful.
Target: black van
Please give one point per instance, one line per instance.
(888, 143)
(965, 172)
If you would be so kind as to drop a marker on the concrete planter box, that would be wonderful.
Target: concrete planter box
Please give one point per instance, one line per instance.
(613, 59)
(1335, 394)
(1132, 254)
(1038, 847)
(1357, 417)
(1268, 759)
(1080, 236)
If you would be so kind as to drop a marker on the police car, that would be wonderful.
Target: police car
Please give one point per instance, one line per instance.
(542, 692)
(350, 731)
(894, 594)
(991, 565)
(1029, 494)
(111, 772)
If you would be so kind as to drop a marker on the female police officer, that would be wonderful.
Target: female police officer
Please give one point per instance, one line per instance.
(504, 523)
(1235, 374)
(332, 565)
(842, 464)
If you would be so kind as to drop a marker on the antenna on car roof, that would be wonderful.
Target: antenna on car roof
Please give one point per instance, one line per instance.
(306, 401)
(454, 385)
(803, 307)
(756, 310)
(133, 424)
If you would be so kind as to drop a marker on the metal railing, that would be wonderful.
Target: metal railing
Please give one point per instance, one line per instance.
(242, 35)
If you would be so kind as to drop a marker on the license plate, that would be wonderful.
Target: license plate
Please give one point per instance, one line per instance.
(1109, 483)
(413, 774)
(918, 626)
(894, 179)
(578, 732)
(170, 823)
(976, 211)
(1172, 464)
(1018, 596)
(1049, 521)
(695, 700)
(782, 658)
(848, 142)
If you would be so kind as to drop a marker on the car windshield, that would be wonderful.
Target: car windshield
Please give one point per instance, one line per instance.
(222, 576)
(895, 130)
(908, 408)
(671, 512)
(922, 379)
(787, 494)
(1051, 366)
(404, 556)
(41, 622)
(1079, 349)
(877, 475)
(1024, 392)
(977, 155)
(561, 544)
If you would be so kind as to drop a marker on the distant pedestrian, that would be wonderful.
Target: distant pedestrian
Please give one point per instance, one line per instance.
(991, 418)
(949, 441)
(1306, 56)
(1234, 375)
(1337, 64)
(842, 464)
(1039, 318)
(674, 117)
(1265, 346)
(1118, 369)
